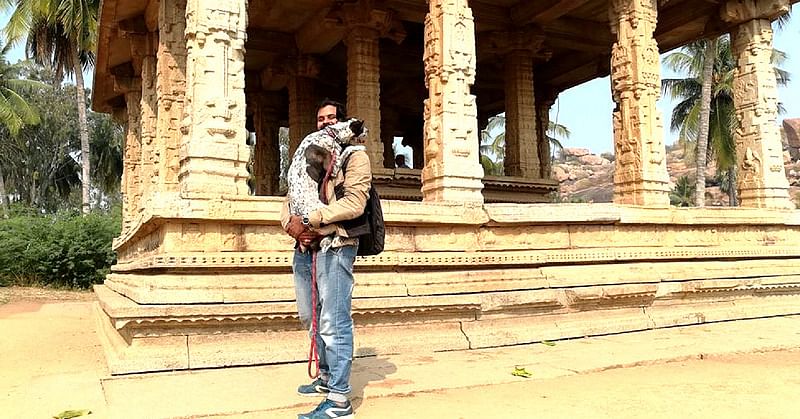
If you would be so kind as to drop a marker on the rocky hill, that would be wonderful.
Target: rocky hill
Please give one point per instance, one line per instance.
(586, 177)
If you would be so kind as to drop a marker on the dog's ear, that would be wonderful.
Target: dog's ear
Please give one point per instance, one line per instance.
(357, 127)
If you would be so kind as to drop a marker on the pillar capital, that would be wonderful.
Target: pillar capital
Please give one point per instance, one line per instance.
(633, 14)
(273, 77)
(299, 66)
(739, 11)
(527, 40)
(127, 84)
(364, 19)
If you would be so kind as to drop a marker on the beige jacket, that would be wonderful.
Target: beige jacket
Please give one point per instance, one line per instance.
(355, 187)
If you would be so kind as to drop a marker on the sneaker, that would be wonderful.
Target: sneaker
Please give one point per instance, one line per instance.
(316, 388)
(328, 409)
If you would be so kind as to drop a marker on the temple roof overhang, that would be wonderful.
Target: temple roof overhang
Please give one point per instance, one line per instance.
(576, 46)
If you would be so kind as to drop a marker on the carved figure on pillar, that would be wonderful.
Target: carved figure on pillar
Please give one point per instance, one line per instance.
(761, 180)
(452, 171)
(640, 176)
(213, 151)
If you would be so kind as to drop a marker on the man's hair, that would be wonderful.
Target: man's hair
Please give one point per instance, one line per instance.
(341, 110)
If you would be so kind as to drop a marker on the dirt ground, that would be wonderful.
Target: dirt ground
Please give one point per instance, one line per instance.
(43, 295)
(746, 385)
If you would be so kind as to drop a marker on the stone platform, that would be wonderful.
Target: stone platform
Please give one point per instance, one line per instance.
(457, 276)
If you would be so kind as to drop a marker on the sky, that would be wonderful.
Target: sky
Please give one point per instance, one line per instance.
(586, 109)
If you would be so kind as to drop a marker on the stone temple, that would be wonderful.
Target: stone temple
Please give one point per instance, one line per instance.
(203, 277)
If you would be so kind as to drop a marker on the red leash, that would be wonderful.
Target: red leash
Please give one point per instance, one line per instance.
(313, 354)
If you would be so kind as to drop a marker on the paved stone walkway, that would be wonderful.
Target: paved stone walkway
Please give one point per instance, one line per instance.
(51, 361)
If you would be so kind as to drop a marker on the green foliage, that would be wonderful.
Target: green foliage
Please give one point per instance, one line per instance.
(556, 198)
(681, 195)
(62, 250)
(69, 414)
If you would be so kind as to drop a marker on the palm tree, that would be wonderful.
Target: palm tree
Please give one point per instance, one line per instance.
(15, 112)
(686, 116)
(61, 34)
(681, 194)
(493, 143)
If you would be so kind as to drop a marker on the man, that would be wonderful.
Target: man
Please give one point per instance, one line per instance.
(400, 162)
(347, 195)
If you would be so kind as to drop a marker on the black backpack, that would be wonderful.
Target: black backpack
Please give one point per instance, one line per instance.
(368, 227)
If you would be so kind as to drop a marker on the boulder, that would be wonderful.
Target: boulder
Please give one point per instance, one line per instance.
(592, 160)
(560, 174)
(576, 152)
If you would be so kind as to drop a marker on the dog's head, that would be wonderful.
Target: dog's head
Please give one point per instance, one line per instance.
(348, 132)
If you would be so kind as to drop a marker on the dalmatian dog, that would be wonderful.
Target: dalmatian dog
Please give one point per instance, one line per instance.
(328, 147)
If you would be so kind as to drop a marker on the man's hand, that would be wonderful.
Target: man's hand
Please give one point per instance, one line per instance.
(307, 237)
(295, 227)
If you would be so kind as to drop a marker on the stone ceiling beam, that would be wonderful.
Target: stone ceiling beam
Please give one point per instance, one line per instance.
(564, 72)
(579, 35)
(415, 10)
(320, 33)
(543, 11)
(270, 41)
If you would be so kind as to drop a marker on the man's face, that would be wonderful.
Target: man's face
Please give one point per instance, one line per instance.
(326, 115)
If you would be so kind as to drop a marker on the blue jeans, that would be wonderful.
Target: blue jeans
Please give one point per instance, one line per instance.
(334, 297)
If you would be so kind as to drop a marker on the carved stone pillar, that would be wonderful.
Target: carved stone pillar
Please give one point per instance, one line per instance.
(364, 26)
(519, 47)
(452, 170)
(544, 101)
(761, 180)
(132, 149)
(640, 176)
(170, 89)
(266, 169)
(214, 152)
(390, 121)
(302, 107)
(145, 47)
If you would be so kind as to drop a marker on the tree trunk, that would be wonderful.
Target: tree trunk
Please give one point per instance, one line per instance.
(732, 199)
(3, 197)
(80, 94)
(705, 112)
